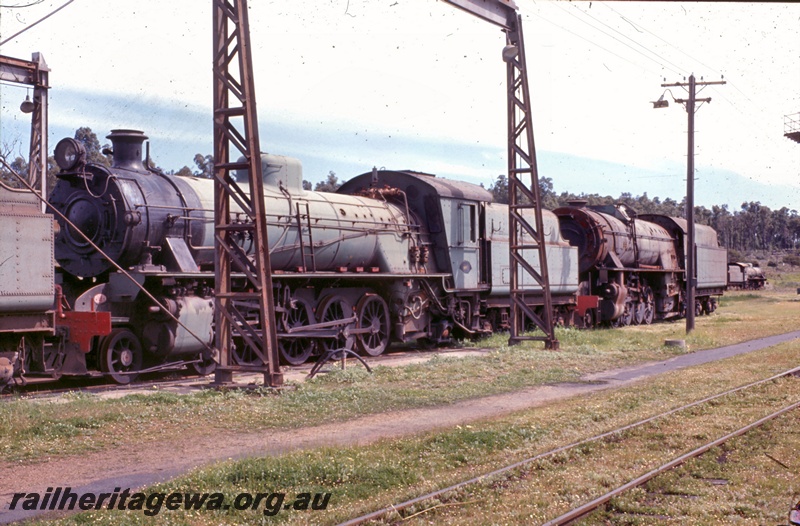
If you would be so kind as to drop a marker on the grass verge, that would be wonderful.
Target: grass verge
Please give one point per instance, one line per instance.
(756, 489)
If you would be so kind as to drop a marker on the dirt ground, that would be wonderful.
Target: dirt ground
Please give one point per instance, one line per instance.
(156, 462)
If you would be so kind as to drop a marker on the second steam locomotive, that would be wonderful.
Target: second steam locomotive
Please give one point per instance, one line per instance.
(393, 256)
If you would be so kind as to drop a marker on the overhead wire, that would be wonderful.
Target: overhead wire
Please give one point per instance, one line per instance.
(639, 26)
(677, 69)
(740, 113)
(593, 43)
(641, 29)
(21, 6)
(15, 35)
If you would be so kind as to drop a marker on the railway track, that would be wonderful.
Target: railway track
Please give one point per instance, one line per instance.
(589, 507)
(95, 384)
(179, 379)
(581, 511)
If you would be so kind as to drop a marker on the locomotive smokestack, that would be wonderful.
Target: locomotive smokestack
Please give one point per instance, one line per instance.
(127, 145)
(578, 203)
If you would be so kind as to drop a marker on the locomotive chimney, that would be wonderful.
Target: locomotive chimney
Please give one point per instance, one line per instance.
(578, 203)
(127, 146)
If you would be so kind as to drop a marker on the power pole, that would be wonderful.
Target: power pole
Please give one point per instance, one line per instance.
(691, 250)
(236, 127)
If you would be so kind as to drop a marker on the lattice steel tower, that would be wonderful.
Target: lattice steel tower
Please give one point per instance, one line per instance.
(236, 128)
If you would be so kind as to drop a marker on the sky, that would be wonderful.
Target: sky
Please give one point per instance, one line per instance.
(345, 85)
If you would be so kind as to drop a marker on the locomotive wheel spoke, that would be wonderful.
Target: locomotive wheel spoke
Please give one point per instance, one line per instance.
(121, 355)
(373, 313)
(649, 306)
(332, 308)
(242, 354)
(295, 351)
(627, 315)
(638, 312)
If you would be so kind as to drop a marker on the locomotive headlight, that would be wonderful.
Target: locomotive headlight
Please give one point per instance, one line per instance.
(69, 153)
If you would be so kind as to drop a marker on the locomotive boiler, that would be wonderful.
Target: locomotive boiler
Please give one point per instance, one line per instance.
(142, 217)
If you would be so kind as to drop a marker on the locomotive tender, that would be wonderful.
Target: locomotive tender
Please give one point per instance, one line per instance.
(392, 256)
(37, 335)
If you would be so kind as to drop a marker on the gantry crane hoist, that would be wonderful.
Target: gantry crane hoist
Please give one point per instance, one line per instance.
(34, 74)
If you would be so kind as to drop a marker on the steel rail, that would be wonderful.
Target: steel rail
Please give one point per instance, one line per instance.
(406, 504)
(589, 507)
(41, 385)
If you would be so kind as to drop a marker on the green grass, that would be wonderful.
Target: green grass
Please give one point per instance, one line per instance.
(785, 278)
(365, 478)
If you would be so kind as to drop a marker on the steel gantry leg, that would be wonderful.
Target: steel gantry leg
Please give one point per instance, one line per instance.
(236, 125)
(526, 240)
(526, 230)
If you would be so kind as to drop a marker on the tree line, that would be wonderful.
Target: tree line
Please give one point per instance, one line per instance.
(754, 227)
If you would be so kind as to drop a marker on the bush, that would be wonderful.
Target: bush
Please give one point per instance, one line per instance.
(792, 260)
(734, 255)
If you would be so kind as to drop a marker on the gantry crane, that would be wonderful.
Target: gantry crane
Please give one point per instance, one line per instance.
(236, 124)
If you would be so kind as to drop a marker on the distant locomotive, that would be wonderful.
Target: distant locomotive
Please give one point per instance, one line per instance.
(636, 265)
(392, 256)
(745, 276)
